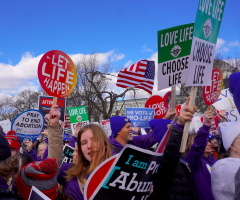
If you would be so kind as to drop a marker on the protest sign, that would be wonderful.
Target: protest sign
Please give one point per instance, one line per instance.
(159, 104)
(36, 194)
(140, 116)
(106, 126)
(78, 114)
(211, 93)
(57, 74)
(6, 125)
(226, 102)
(174, 46)
(45, 103)
(178, 108)
(28, 124)
(206, 28)
(129, 176)
(67, 153)
(67, 124)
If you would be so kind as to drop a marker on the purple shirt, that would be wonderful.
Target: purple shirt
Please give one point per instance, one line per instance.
(71, 188)
(3, 183)
(142, 141)
(200, 165)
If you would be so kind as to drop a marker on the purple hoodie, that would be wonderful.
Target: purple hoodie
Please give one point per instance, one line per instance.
(200, 165)
(159, 127)
(3, 183)
(71, 188)
(142, 141)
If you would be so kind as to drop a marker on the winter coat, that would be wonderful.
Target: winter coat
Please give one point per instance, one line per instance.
(5, 193)
(173, 180)
(55, 143)
(70, 188)
(142, 141)
(200, 165)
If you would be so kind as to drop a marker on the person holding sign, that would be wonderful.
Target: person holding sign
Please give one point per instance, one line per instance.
(174, 180)
(93, 149)
(122, 134)
(201, 160)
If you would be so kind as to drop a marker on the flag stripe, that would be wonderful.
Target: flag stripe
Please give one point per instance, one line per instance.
(134, 80)
(136, 86)
(130, 84)
(139, 75)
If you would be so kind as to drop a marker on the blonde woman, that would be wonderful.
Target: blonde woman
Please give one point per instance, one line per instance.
(93, 148)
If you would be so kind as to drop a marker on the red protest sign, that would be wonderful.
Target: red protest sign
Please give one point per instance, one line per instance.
(159, 104)
(99, 174)
(178, 109)
(211, 93)
(57, 74)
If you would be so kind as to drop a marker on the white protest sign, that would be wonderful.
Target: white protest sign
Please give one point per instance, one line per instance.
(195, 124)
(106, 126)
(6, 125)
(225, 102)
(174, 46)
(206, 28)
(28, 124)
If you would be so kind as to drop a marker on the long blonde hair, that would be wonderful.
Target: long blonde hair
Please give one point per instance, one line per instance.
(83, 168)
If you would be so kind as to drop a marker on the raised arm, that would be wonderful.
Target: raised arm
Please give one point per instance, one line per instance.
(197, 149)
(55, 141)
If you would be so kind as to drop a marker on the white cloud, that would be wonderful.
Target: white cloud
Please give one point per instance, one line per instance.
(128, 63)
(220, 43)
(16, 78)
(145, 49)
(234, 44)
(116, 57)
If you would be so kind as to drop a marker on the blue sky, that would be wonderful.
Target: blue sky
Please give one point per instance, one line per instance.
(123, 32)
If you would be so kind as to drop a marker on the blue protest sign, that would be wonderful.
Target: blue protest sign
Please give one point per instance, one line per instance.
(140, 116)
(28, 124)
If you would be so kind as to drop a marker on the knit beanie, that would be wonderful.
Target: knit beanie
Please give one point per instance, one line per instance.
(66, 137)
(42, 175)
(234, 87)
(117, 123)
(210, 137)
(5, 151)
(229, 130)
(13, 140)
(159, 127)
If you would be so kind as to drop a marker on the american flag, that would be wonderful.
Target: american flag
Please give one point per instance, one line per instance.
(139, 75)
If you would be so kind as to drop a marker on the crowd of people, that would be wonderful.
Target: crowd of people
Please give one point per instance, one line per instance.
(208, 170)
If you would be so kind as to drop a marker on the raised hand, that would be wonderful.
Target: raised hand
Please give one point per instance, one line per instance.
(186, 114)
(54, 115)
(209, 116)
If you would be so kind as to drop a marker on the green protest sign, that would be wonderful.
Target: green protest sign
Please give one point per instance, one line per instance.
(208, 19)
(206, 28)
(174, 47)
(78, 114)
